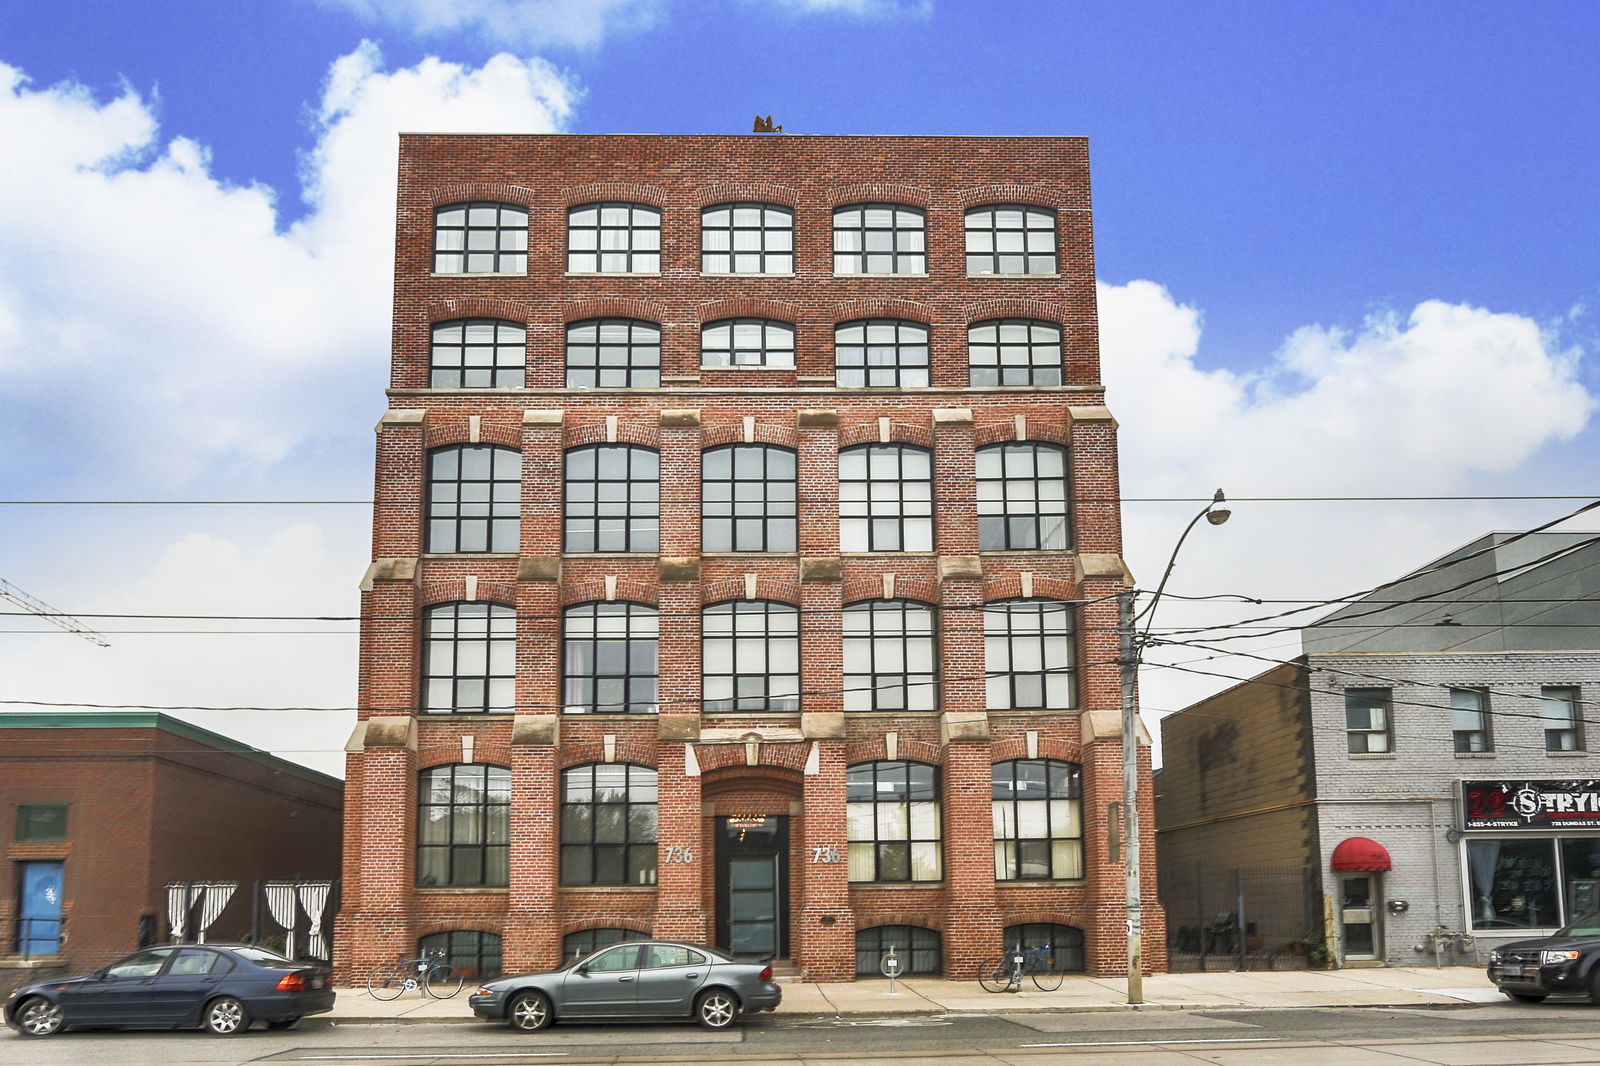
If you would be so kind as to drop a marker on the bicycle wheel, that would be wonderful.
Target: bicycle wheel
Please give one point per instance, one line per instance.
(995, 974)
(387, 982)
(442, 981)
(1046, 980)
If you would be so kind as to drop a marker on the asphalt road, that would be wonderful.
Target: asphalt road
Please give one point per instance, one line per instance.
(1502, 1035)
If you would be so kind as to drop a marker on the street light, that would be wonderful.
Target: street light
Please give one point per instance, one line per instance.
(1130, 652)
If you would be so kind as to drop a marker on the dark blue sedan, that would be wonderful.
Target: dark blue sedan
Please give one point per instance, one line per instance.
(220, 989)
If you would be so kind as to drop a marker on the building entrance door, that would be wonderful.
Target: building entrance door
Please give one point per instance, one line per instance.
(39, 918)
(753, 885)
(1358, 916)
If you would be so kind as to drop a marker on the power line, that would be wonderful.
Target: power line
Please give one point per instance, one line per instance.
(335, 502)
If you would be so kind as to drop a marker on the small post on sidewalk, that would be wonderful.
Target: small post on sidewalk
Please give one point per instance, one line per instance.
(890, 965)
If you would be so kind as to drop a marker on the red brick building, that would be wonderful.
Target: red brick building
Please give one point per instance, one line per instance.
(102, 810)
(747, 517)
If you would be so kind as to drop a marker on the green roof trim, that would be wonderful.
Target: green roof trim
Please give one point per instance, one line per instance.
(167, 724)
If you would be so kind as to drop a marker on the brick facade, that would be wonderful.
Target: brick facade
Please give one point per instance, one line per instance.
(750, 765)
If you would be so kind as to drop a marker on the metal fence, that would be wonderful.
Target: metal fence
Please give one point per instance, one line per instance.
(1241, 917)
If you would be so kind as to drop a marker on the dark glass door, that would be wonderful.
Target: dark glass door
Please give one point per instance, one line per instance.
(753, 885)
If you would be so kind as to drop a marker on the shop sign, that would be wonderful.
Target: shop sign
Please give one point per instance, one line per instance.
(1536, 804)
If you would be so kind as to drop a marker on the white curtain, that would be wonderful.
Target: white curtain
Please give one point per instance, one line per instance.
(280, 901)
(314, 898)
(178, 909)
(1483, 856)
(217, 895)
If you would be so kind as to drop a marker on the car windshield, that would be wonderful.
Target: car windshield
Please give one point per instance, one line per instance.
(1582, 925)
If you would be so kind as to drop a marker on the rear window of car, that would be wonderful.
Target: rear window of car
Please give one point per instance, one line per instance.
(262, 957)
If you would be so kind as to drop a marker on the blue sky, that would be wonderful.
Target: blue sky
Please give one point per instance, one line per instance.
(1343, 251)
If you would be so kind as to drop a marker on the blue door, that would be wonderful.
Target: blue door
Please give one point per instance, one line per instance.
(39, 928)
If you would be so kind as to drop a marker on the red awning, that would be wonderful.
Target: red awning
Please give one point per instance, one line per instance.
(1359, 853)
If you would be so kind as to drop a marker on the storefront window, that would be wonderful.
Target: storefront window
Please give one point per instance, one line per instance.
(1513, 884)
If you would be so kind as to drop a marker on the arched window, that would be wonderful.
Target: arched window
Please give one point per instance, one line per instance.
(885, 498)
(1030, 655)
(750, 657)
(1022, 497)
(919, 950)
(889, 656)
(613, 353)
(469, 658)
(746, 342)
(480, 238)
(613, 499)
(1064, 943)
(475, 955)
(748, 499)
(881, 352)
(585, 941)
(474, 498)
(747, 238)
(463, 825)
(1038, 820)
(1014, 351)
(609, 650)
(608, 825)
(478, 353)
(879, 239)
(892, 821)
(613, 239)
(1011, 239)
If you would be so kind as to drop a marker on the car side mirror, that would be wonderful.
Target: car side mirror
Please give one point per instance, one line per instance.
(105, 975)
(582, 970)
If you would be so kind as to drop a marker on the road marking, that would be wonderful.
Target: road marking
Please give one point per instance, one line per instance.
(479, 1055)
(1164, 1043)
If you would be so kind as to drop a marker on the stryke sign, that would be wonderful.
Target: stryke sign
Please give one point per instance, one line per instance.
(1523, 804)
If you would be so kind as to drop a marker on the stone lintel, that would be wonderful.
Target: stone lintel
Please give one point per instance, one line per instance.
(687, 418)
(960, 568)
(963, 725)
(402, 569)
(679, 568)
(765, 734)
(396, 416)
(1095, 566)
(827, 569)
(952, 416)
(813, 419)
(391, 731)
(822, 725)
(543, 417)
(536, 569)
(684, 727)
(536, 729)
(1107, 725)
(1090, 414)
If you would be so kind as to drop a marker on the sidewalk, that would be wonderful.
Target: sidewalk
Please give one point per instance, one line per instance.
(1449, 986)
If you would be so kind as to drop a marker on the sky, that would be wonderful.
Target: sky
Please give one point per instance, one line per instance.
(1349, 265)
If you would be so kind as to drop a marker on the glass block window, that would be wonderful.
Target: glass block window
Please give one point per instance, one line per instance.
(476, 955)
(1014, 351)
(1029, 655)
(613, 499)
(881, 353)
(890, 658)
(892, 821)
(469, 658)
(1366, 720)
(1038, 820)
(41, 823)
(610, 655)
(747, 499)
(919, 950)
(587, 941)
(608, 825)
(879, 239)
(1022, 497)
(614, 239)
(474, 498)
(613, 353)
(750, 657)
(478, 353)
(1011, 239)
(1063, 942)
(747, 239)
(480, 238)
(1469, 720)
(1563, 721)
(740, 342)
(885, 498)
(463, 825)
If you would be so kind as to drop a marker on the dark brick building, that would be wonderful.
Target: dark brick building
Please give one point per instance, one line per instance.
(747, 517)
(103, 809)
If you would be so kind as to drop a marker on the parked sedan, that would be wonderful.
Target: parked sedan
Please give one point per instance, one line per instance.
(220, 989)
(638, 979)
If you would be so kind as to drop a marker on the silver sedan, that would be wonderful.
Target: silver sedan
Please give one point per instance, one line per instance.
(637, 979)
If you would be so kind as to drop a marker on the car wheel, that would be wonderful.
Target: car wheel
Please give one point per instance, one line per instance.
(716, 1009)
(225, 1016)
(40, 1017)
(283, 1023)
(530, 1012)
(1527, 997)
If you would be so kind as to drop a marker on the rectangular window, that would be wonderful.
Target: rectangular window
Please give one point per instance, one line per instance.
(41, 823)
(1469, 720)
(1366, 720)
(1558, 706)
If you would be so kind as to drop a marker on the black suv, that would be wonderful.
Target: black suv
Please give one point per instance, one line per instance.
(1563, 963)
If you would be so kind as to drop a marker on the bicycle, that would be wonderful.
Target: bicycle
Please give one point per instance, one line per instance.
(428, 973)
(1007, 971)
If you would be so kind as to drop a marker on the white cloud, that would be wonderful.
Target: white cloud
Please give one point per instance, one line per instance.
(516, 23)
(157, 324)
